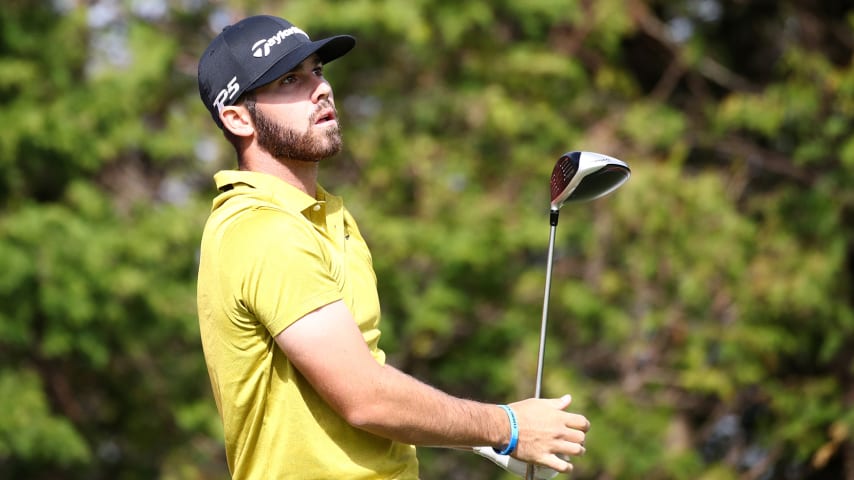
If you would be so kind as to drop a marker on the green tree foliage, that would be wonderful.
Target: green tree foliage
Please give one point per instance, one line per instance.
(701, 316)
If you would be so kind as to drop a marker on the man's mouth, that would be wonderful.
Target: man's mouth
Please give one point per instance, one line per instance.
(326, 115)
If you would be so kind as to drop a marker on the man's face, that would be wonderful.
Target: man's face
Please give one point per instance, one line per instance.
(295, 116)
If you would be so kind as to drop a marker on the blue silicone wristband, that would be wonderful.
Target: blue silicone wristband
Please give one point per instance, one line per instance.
(514, 432)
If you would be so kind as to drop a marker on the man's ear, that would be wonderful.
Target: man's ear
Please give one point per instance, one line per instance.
(236, 118)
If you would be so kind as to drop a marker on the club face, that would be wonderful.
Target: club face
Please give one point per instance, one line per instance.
(585, 176)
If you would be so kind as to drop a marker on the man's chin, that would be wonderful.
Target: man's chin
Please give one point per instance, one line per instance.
(312, 146)
(314, 155)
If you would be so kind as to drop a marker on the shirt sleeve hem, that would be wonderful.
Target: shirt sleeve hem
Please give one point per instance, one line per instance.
(310, 305)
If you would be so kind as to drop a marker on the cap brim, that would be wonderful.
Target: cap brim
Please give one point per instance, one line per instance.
(327, 49)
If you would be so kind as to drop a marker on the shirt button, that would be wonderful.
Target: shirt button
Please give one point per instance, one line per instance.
(316, 208)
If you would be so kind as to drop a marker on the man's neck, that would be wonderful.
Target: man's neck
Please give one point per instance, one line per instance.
(301, 174)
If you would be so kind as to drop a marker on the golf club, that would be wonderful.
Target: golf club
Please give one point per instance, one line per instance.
(512, 465)
(577, 177)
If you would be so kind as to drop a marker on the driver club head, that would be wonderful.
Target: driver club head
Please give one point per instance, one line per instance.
(584, 176)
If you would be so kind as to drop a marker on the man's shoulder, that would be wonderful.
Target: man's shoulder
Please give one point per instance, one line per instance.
(263, 224)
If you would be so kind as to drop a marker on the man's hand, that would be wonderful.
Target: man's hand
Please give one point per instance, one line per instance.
(548, 434)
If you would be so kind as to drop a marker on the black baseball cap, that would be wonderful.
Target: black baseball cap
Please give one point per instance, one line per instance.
(255, 51)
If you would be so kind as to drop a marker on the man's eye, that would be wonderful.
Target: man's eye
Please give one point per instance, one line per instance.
(318, 71)
(289, 79)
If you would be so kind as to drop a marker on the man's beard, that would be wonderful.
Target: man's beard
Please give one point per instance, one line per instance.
(286, 143)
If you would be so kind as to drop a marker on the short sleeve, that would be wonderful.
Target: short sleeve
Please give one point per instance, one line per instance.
(278, 267)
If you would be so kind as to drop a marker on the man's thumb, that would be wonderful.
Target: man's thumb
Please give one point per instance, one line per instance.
(563, 402)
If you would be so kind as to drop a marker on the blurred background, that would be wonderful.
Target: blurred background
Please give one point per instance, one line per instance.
(701, 316)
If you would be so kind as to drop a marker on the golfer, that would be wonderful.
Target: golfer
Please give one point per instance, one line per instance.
(287, 298)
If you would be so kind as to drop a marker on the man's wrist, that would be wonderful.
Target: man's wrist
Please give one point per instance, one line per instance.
(514, 432)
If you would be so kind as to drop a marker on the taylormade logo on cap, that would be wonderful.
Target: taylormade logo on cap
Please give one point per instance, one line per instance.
(261, 48)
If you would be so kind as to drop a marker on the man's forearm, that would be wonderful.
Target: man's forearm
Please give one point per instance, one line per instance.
(402, 408)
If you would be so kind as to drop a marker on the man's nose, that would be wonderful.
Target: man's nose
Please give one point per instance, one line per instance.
(322, 91)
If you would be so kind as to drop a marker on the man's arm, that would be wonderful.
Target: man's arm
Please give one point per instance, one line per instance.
(327, 347)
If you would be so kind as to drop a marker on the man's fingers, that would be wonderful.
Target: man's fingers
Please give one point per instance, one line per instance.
(574, 436)
(558, 464)
(577, 422)
(546, 473)
(576, 449)
(569, 448)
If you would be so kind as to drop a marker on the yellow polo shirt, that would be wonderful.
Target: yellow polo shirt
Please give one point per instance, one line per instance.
(271, 254)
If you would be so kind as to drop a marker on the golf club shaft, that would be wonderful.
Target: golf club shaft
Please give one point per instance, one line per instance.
(529, 473)
(545, 320)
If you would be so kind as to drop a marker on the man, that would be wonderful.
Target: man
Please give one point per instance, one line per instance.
(287, 297)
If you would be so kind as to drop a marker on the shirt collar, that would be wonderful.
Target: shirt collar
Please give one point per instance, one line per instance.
(275, 189)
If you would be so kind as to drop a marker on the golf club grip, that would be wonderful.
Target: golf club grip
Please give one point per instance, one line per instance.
(529, 473)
